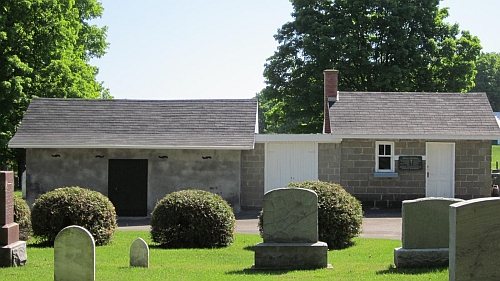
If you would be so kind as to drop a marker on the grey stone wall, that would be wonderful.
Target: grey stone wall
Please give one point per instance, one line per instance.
(252, 177)
(329, 159)
(184, 169)
(472, 171)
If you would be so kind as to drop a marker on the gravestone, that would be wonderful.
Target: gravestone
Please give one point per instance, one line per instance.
(290, 231)
(12, 251)
(474, 239)
(425, 233)
(139, 253)
(74, 254)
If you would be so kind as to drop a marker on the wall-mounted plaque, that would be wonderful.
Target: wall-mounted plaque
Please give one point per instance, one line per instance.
(410, 162)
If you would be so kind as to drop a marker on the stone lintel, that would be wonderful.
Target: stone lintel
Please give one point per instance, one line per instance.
(291, 255)
(413, 258)
(9, 234)
(13, 255)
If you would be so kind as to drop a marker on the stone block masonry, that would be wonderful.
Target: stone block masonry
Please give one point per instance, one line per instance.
(252, 177)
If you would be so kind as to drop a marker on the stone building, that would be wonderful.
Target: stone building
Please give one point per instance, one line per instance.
(381, 147)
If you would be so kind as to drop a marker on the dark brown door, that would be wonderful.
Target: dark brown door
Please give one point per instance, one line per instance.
(128, 186)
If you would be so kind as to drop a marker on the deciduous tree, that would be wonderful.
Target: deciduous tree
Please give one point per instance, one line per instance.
(45, 49)
(488, 78)
(379, 45)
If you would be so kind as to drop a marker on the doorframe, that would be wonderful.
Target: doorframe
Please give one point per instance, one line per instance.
(453, 160)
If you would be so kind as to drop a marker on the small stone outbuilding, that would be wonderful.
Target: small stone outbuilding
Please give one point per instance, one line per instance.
(136, 151)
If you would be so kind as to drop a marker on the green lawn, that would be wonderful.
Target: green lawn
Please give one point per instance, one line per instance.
(369, 259)
(495, 156)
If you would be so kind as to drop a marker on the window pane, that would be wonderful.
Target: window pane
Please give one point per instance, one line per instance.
(384, 163)
(387, 149)
(381, 150)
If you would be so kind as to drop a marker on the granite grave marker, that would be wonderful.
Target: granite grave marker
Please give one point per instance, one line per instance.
(290, 231)
(425, 233)
(474, 240)
(12, 251)
(74, 254)
(139, 253)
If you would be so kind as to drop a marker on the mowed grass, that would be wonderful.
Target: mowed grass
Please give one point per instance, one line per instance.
(495, 156)
(369, 259)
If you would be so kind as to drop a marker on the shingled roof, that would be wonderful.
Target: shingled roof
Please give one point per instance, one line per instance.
(413, 115)
(191, 124)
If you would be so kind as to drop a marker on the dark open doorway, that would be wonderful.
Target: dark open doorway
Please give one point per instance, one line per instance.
(128, 186)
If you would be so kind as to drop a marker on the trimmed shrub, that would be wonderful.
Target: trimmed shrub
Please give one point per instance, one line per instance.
(67, 206)
(22, 216)
(339, 213)
(192, 219)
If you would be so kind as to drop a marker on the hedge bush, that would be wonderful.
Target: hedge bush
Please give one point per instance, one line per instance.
(339, 213)
(22, 216)
(67, 206)
(192, 219)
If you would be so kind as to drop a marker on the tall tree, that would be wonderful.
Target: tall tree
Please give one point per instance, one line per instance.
(377, 45)
(45, 50)
(488, 78)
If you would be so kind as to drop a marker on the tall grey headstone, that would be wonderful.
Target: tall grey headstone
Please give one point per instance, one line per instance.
(12, 251)
(425, 233)
(74, 254)
(474, 236)
(290, 231)
(139, 253)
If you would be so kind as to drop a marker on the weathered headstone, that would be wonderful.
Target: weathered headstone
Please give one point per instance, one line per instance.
(425, 233)
(290, 231)
(74, 254)
(474, 239)
(12, 251)
(139, 253)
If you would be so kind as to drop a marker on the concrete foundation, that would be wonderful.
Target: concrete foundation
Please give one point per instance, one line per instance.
(291, 255)
(411, 258)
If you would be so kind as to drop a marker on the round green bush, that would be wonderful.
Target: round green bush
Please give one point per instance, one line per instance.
(67, 206)
(22, 216)
(192, 219)
(339, 213)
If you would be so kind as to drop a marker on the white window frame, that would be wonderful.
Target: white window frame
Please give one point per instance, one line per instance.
(377, 168)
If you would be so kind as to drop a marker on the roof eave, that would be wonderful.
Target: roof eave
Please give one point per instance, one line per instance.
(423, 136)
(130, 146)
(320, 138)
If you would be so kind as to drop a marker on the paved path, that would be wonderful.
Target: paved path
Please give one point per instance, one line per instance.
(376, 224)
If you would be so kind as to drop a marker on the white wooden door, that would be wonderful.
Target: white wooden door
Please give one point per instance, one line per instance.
(290, 162)
(440, 170)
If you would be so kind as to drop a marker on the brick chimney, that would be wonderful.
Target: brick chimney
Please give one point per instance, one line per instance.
(331, 90)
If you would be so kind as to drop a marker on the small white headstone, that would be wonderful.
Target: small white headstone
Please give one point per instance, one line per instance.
(139, 253)
(74, 254)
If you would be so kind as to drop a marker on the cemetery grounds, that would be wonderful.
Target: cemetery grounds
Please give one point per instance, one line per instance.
(368, 259)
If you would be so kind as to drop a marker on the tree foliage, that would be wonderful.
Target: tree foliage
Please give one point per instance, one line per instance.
(380, 45)
(488, 78)
(45, 50)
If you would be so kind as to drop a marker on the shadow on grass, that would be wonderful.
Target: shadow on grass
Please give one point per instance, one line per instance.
(410, 271)
(249, 248)
(252, 271)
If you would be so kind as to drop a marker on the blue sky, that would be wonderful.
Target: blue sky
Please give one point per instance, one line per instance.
(195, 49)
